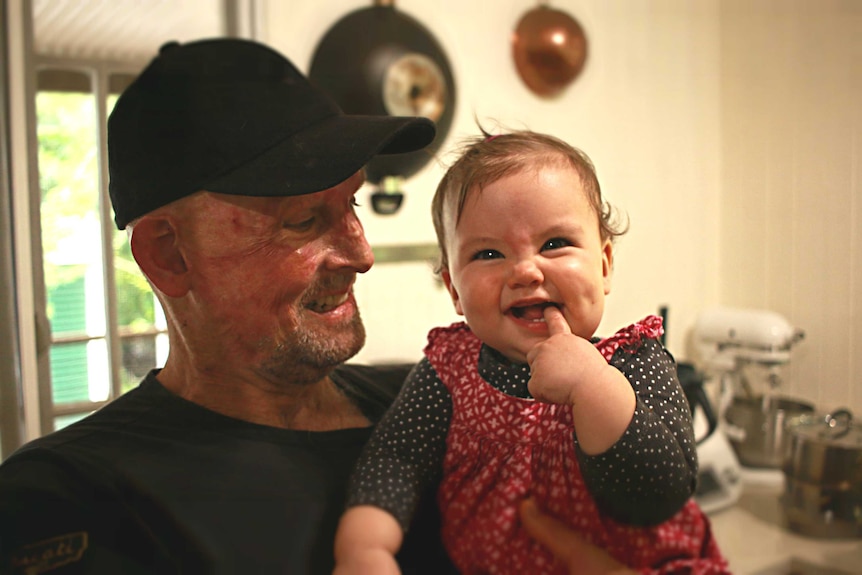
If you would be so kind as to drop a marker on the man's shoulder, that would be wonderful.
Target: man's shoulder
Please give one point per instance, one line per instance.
(92, 436)
(372, 387)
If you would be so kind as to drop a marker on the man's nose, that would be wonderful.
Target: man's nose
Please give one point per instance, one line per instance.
(351, 248)
(525, 272)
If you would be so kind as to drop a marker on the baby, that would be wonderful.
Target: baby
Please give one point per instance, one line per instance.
(522, 400)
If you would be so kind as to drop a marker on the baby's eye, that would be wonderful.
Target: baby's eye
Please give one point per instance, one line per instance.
(555, 244)
(487, 255)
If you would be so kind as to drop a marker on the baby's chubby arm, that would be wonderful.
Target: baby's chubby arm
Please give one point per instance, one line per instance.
(399, 464)
(366, 542)
(568, 370)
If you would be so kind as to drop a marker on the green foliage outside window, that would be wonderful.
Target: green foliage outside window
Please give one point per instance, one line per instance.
(68, 177)
(71, 244)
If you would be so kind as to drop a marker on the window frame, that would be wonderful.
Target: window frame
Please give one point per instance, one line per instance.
(48, 72)
(27, 410)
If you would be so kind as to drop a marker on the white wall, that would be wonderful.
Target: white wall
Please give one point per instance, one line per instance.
(646, 109)
(792, 181)
(727, 130)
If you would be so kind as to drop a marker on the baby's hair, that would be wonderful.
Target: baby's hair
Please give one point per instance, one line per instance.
(484, 159)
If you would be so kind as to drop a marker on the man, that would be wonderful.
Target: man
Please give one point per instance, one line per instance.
(236, 178)
(233, 458)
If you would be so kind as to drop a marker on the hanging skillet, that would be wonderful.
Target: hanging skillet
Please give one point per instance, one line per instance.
(380, 61)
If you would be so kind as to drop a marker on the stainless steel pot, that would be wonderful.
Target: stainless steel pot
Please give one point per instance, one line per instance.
(757, 427)
(823, 476)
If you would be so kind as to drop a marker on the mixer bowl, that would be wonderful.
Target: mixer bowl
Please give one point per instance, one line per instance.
(757, 428)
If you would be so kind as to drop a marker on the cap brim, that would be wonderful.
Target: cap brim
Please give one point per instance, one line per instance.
(324, 155)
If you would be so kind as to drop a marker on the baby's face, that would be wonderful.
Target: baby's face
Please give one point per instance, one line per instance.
(528, 240)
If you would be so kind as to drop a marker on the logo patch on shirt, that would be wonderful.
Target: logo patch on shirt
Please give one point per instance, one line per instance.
(48, 554)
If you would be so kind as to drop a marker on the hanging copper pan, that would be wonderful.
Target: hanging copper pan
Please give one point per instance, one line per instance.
(380, 61)
(550, 50)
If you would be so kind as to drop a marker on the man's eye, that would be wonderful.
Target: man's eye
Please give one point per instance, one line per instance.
(302, 226)
(354, 202)
(555, 244)
(487, 255)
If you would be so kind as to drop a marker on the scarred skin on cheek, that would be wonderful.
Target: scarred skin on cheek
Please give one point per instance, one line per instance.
(271, 278)
(236, 226)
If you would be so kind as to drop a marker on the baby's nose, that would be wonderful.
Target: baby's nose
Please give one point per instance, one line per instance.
(525, 272)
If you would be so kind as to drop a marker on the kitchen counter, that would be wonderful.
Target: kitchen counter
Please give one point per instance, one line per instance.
(752, 535)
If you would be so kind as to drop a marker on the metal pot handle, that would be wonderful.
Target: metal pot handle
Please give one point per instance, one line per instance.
(837, 424)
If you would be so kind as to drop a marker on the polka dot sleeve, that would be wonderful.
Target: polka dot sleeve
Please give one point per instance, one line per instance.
(650, 473)
(404, 456)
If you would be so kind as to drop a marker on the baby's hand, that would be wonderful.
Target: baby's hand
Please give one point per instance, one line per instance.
(563, 363)
(366, 542)
(369, 563)
(569, 370)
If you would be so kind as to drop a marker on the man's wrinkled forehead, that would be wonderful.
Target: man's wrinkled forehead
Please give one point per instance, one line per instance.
(270, 205)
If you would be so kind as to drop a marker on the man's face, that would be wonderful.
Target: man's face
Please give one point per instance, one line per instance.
(273, 281)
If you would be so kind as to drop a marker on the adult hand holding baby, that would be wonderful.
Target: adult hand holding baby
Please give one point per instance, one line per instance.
(568, 370)
(567, 546)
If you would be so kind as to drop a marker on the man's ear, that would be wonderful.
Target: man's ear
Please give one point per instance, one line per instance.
(156, 249)
(453, 293)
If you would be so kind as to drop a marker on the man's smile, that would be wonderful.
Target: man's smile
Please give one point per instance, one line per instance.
(323, 304)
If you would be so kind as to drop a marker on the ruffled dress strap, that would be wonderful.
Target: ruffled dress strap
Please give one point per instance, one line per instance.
(630, 338)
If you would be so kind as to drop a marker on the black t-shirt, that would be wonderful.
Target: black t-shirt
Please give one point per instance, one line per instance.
(153, 483)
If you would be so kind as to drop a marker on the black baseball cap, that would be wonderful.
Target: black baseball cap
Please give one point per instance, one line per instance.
(233, 116)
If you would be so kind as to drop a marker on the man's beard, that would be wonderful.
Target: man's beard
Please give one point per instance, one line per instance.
(307, 356)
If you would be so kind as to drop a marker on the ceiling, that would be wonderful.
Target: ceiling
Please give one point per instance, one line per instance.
(124, 30)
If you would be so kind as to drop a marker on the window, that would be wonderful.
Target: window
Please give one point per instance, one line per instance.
(75, 58)
(107, 328)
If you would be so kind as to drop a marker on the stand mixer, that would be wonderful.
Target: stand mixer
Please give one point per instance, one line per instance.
(727, 338)
(729, 341)
(718, 479)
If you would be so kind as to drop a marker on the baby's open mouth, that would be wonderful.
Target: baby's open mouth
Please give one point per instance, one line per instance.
(534, 312)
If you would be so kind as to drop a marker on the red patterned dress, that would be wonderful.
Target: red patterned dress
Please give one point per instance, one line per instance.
(499, 449)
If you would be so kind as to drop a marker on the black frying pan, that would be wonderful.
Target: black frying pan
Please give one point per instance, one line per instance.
(380, 61)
